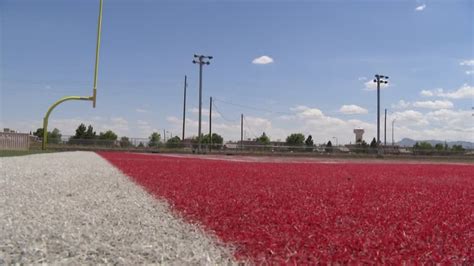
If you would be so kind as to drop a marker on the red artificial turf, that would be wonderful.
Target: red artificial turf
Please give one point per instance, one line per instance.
(314, 212)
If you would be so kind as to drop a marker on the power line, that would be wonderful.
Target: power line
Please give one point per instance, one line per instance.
(253, 108)
(250, 130)
(221, 115)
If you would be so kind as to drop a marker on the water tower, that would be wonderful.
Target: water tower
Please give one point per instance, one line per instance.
(359, 132)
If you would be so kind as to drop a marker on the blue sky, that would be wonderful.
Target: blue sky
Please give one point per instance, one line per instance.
(322, 55)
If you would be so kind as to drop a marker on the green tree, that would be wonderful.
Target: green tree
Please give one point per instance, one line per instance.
(362, 147)
(424, 146)
(309, 141)
(329, 146)
(154, 139)
(54, 136)
(108, 135)
(80, 132)
(457, 148)
(39, 133)
(173, 142)
(439, 147)
(107, 139)
(140, 145)
(125, 142)
(295, 139)
(90, 133)
(373, 144)
(364, 144)
(263, 139)
(217, 140)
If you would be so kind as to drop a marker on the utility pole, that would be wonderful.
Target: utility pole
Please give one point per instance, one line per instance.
(242, 131)
(184, 107)
(164, 136)
(393, 128)
(201, 61)
(379, 79)
(385, 129)
(210, 124)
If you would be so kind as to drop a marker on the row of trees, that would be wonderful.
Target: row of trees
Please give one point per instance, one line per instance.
(87, 136)
(426, 146)
(54, 137)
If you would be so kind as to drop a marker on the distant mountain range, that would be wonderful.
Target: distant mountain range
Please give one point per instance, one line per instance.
(406, 142)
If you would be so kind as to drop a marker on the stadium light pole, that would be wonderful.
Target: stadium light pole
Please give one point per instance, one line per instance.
(201, 60)
(385, 129)
(184, 106)
(379, 79)
(210, 124)
(242, 132)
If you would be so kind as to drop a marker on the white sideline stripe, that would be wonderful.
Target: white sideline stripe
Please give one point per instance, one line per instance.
(76, 208)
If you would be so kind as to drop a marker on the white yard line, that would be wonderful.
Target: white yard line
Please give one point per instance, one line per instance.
(75, 208)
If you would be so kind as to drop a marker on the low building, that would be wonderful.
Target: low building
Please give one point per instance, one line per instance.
(12, 141)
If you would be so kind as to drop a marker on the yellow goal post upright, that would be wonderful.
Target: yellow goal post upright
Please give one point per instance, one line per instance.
(80, 98)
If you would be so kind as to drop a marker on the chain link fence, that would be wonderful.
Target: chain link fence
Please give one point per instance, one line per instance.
(188, 146)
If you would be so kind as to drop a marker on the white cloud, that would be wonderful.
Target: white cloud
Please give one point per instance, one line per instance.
(411, 117)
(464, 92)
(443, 104)
(362, 78)
(428, 93)
(253, 126)
(204, 112)
(299, 108)
(352, 109)
(139, 110)
(145, 129)
(401, 105)
(459, 120)
(263, 60)
(420, 8)
(371, 85)
(467, 63)
(322, 127)
(437, 124)
(286, 117)
(308, 113)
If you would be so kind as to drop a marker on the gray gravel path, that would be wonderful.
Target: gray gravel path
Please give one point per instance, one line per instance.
(75, 208)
